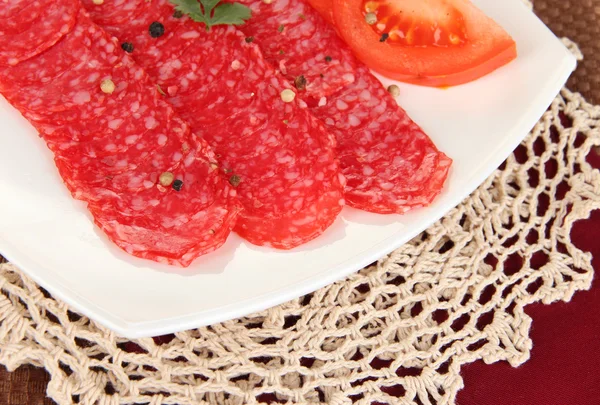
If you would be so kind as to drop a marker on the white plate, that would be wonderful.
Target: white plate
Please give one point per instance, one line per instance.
(51, 237)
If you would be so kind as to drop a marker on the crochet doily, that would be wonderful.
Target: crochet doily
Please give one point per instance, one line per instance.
(397, 332)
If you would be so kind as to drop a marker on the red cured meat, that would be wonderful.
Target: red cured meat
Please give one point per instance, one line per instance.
(280, 159)
(17, 15)
(131, 168)
(110, 149)
(296, 43)
(130, 20)
(115, 12)
(28, 28)
(74, 94)
(390, 164)
(131, 219)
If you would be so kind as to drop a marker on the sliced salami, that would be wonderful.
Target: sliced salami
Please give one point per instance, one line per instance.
(280, 160)
(293, 39)
(29, 28)
(116, 146)
(17, 15)
(124, 167)
(139, 219)
(390, 163)
(131, 22)
(72, 107)
(114, 11)
(306, 179)
(51, 64)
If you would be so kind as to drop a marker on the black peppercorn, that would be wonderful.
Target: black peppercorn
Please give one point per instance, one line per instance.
(156, 29)
(177, 184)
(127, 47)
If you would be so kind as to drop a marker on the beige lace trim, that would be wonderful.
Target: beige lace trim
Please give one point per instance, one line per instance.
(395, 333)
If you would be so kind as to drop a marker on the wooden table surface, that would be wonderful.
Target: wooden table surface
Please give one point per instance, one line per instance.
(578, 20)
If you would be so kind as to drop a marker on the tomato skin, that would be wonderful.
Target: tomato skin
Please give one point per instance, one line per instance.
(454, 79)
(488, 48)
(325, 8)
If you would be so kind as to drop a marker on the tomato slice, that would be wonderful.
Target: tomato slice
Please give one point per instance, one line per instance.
(325, 8)
(426, 42)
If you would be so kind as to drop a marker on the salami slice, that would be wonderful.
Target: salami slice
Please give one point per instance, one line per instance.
(71, 96)
(114, 147)
(280, 159)
(51, 64)
(130, 22)
(125, 167)
(390, 164)
(115, 11)
(297, 45)
(139, 219)
(29, 28)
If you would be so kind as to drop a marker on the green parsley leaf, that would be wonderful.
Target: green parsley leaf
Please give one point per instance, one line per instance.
(231, 13)
(189, 7)
(210, 12)
(208, 6)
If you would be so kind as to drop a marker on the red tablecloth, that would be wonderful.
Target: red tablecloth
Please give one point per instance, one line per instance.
(564, 368)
